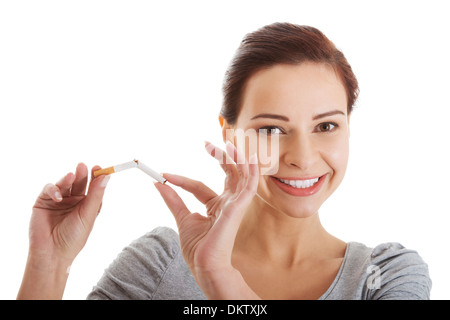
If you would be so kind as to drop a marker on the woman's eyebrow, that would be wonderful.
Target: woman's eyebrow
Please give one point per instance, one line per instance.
(271, 116)
(327, 114)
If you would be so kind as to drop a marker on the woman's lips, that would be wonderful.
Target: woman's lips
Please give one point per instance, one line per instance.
(300, 192)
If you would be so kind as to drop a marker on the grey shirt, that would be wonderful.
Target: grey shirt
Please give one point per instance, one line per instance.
(152, 267)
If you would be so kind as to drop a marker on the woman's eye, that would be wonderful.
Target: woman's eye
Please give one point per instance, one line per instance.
(327, 127)
(270, 130)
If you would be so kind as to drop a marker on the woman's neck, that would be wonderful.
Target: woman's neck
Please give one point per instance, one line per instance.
(268, 234)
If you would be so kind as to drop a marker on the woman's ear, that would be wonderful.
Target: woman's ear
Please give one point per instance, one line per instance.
(227, 132)
(348, 125)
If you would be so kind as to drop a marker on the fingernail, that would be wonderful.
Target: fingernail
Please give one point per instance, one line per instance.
(105, 181)
(58, 196)
(165, 176)
(209, 146)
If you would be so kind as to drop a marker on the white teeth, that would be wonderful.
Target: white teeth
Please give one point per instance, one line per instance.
(300, 183)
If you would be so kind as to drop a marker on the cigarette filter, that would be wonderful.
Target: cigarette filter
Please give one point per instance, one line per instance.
(117, 168)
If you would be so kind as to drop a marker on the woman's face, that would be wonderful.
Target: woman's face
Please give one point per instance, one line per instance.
(305, 107)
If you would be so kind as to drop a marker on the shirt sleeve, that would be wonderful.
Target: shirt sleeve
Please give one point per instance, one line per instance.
(397, 273)
(138, 270)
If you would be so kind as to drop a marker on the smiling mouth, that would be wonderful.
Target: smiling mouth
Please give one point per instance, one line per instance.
(300, 187)
(299, 184)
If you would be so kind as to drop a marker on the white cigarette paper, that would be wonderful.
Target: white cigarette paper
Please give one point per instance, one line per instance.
(116, 168)
(152, 173)
(125, 166)
(129, 165)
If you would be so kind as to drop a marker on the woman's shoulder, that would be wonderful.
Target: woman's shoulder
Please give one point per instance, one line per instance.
(388, 255)
(138, 270)
(160, 238)
(388, 271)
(156, 247)
(384, 253)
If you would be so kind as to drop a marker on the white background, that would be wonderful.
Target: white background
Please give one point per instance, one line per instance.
(104, 82)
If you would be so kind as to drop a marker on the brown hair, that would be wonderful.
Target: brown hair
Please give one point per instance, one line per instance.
(282, 43)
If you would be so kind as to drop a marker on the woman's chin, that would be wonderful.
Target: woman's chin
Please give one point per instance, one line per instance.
(301, 213)
(293, 210)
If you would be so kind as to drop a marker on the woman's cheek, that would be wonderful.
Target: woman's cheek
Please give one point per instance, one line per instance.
(268, 154)
(336, 154)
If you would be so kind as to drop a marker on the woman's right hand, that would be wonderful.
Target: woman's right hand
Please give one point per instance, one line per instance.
(207, 241)
(62, 219)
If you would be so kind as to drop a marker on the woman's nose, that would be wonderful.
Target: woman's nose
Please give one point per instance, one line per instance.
(300, 152)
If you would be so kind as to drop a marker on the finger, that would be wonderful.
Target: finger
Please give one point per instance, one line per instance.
(80, 182)
(253, 180)
(232, 151)
(236, 208)
(94, 168)
(94, 197)
(227, 226)
(51, 192)
(173, 202)
(218, 153)
(65, 184)
(197, 188)
(226, 163)
(247, 192)
(238, 158)
(241, 165)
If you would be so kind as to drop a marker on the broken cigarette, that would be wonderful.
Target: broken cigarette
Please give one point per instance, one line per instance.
(129, 165)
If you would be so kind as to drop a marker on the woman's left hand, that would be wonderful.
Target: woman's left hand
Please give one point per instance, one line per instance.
(207, 241)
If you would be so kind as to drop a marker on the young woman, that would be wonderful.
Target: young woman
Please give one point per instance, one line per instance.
(262, 237)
